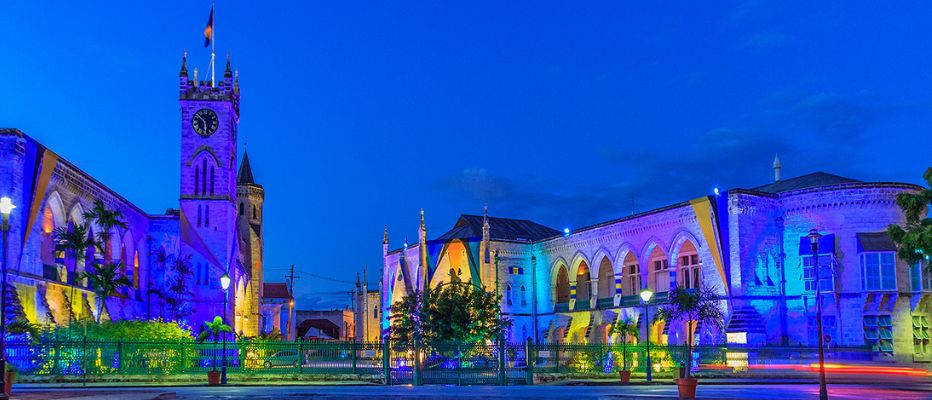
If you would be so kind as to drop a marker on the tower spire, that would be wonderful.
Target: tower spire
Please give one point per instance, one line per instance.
(385, 235)
(184, 65)
(777, 168)
(228, 73)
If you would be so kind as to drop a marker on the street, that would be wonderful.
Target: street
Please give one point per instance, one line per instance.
(911, 390)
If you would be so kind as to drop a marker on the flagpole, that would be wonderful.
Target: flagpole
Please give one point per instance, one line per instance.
(213, 82)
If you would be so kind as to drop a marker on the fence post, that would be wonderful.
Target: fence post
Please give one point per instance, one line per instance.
(301, 357)
(182, 350)
(502, 377)
(120, 355)
(529, 362)
(353, 348)
(386, 362)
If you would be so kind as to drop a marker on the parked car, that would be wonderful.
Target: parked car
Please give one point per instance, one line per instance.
(283, 358)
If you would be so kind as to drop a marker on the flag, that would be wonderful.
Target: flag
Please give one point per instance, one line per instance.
(209, 30)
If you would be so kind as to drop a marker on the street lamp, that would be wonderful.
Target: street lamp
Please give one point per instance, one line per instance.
(225, 284)
(814, 236)
(646, 294)
(6, 207)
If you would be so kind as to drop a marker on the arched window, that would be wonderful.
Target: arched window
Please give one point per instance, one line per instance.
(688, 270)
(563, 286)
(207, 215)
(198, 215)
(375, 311)
(211, 180)
(197, 180)
(242, 208)
(508, 295)
(523, 296)
(583, 286)
(660, 268)
(606, 279)
(255, 215)
(204, 174)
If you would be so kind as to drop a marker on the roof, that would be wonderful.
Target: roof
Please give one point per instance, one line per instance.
(245, 171)
(275, 291)
(518, 230)
(815, 179)
(875, 241)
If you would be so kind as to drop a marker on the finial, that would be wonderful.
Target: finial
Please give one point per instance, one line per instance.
(422, 218)
(228, 73)
(184, 64)
(385, 235)
(196, 83)
(777, 168)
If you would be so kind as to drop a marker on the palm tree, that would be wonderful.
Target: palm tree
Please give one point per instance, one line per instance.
(106, 219)
(213, 328)
(177, 291)
(73, 240)
(693, 306)
(106, 281)
(625, 329)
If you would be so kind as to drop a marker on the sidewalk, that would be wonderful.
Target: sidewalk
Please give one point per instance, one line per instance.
(96, 394)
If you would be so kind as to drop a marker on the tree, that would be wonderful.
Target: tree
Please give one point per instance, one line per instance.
(106, 219)
(213, 328)
(625, 329)
(177, 293)
(914, 239)
(693, 306)
(454, 312)
(74, 240)
(106, 281)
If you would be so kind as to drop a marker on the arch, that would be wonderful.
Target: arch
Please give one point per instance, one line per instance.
(688, 267)
(631, 279)
(561, 286)
(583, 285)
(77, 214)
(203, 149)
(681, 237)
(606, 279)
(578, 259)
(57, 208)
(658, 270)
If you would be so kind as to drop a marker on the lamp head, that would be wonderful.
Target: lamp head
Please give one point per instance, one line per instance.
(814, 236)
(225, 281)
(6, 206)
(646, 294)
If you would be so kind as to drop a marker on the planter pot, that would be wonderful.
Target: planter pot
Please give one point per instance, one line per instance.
(625, 376)
(213, 378)
(8, 382)
(687, 387)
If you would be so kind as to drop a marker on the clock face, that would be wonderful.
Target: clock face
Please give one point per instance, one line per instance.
(205, 122)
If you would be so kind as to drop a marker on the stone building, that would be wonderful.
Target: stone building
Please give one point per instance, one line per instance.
(216, 228)
(748, 245)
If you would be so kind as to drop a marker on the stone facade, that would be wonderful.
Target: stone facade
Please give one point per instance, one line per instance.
(748, 245)
(209, 225)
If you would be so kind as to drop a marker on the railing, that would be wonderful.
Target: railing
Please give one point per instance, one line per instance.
(483, 363)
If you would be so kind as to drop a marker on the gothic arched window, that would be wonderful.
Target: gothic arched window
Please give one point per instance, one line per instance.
(204, 174)
(211, 180)
(198, 215)
(207, 215)
(523, 296)
(242, 208)
(508, 295)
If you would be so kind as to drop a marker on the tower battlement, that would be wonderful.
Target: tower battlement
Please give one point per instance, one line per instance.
(226, 89)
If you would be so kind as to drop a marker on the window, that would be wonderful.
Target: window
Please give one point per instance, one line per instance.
(204, 174)
(689, 271)
(241, 208)
(828, 329)
(633, 280)
(921, 334)
(523, 296)
(375, 311)
(197, 180)
(919, 279)
(878, 333)
(661, 275)
(878, 271)
(827, 273)
(255, 215)
(211, 180)
(207, 215)
(508, 295)
(198, 215)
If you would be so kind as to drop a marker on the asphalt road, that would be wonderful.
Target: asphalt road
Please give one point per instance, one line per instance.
(718, 392)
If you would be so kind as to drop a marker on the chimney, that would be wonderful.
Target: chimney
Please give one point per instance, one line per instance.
(777, 168)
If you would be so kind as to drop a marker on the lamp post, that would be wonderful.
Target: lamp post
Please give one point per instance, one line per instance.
(225, 284)
(814, 241)
(6, 207)
(646, 294)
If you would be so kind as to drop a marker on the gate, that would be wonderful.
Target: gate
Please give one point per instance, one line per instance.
(460, 364)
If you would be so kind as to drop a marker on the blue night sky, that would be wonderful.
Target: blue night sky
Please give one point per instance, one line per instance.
(358, 114)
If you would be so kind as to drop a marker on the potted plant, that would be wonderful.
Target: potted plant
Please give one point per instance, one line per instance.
(213, 328)
(624, 330)
(692, 306)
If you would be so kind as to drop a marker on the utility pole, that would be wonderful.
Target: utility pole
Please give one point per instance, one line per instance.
(291, 278)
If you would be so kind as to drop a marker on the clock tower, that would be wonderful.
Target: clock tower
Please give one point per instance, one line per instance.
(209, 119)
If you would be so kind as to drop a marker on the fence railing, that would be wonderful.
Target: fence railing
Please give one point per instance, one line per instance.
(483, 363)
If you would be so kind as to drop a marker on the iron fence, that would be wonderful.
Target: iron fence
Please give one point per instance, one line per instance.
(482, 363)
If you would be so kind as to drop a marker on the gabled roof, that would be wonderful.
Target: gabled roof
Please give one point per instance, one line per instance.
(245, 171)
(518, 230)
(815, 179)
(275, 291)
